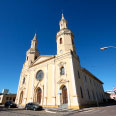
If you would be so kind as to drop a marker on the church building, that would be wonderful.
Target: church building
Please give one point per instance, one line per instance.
(58, 80)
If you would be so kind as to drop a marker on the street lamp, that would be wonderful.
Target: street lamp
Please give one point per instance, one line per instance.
(104, 48)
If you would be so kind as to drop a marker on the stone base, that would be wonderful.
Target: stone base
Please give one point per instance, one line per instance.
(69, 107)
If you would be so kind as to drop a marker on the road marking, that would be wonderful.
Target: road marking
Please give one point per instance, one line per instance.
(95, 111)
(88, 110)
(50, 111)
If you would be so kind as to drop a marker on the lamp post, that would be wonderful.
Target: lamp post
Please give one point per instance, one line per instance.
(104, 48)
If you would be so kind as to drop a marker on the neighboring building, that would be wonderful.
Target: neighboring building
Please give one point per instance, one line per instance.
(107, 96)
(58, 80)
(112, 94)
(7, 97)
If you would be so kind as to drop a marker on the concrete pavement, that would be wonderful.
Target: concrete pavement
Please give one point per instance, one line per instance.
(96, 111)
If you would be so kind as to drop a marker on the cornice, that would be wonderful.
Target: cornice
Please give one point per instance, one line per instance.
(64, 32)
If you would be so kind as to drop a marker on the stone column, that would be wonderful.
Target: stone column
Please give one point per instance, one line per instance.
(68, 94)
(26, 91)
(58, 95)
(32, 86)
(53, 85)
(18, 92)
(45, 87)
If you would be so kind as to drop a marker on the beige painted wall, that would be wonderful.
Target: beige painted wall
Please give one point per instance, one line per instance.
(7, 97)
(53, 81)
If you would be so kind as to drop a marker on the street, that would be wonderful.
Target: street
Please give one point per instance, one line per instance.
(96, 111)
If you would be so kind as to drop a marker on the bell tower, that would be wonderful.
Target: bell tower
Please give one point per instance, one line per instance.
(64, 38)
(32, 54)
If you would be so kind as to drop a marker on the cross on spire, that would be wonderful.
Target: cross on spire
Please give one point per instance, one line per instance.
(62, 16)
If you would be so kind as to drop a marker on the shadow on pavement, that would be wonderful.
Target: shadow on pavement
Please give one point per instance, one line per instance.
(108, 104)
(2, 108)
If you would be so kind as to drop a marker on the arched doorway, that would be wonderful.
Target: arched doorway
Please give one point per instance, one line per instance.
(39, 94)
(64, 95)
(21, 97)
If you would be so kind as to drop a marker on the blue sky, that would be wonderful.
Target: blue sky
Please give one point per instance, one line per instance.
(93, 23)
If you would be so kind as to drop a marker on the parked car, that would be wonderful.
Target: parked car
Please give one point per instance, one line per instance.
(33, 106)
(10, 104)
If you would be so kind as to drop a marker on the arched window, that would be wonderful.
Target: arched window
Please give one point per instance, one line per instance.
(60, 40)
(24, 80)
(72, 41)
(62, 71)
(85, 79)
(88, 93)
(27, 57)
(78, 74)
(81, 92)
(35, 57)
(93, 95)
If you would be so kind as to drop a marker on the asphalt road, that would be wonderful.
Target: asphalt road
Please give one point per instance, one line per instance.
(97, 111)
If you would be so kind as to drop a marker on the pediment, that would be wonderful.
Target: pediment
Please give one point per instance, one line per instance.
(41, 59)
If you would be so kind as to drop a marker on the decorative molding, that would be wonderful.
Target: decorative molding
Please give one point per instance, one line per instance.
(64, 32)
(74, 107)
(51, 106)
(62, 81)
(54, 97)
(22, 88)
(38, 85)
(75, 96)
(61, 64)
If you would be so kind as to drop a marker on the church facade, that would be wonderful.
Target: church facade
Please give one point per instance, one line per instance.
(58, 80)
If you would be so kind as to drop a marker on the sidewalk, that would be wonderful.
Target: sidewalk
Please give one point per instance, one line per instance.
(68, 110)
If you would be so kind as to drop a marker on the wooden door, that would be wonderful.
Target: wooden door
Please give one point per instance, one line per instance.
(21, 98)
(64, 95)
(39, 95)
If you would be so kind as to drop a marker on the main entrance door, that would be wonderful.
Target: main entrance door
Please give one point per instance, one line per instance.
(39, 92)
(21, 98)
(64, 95)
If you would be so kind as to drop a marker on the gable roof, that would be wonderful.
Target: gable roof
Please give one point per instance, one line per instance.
(42, 59)
(91, 75)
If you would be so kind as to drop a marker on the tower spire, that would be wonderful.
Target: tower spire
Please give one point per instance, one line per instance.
(34, 42)
(63, 22)
(35, 37)
(32, 53)
(65, 38)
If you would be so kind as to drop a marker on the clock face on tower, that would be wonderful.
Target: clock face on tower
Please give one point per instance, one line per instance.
(39, 75)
